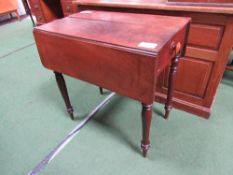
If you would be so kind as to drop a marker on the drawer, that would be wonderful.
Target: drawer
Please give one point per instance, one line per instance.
(202, 53)
(67, 7)
(207, 36)
(35, 6)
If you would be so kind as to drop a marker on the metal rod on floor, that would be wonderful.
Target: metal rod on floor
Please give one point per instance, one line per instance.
(38, 168)
(19, 49)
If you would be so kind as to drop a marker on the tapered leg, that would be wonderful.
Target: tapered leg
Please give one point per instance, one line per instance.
(101, 90)
(62, 87)
(28, 11)
(33, 22)
(146, 122)
(173, 70)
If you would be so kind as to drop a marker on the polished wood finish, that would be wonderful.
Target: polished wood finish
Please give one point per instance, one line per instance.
(172, 73)
(207, 36)
(63, 89)
(122, 52)
(142, 82)
(146, 122)
(46, 10)
(49, 10)
(209, 44)
(153, 4)
(8, 7)
(225, 3)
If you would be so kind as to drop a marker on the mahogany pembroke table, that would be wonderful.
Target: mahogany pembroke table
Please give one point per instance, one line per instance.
(122, 52)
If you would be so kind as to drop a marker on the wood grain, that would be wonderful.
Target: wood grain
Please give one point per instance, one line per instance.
(208, 36)
(154, 4)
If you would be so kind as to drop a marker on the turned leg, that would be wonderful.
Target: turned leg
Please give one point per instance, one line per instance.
(173, 70)
(146, 122)
(101, 90)
(62, 87)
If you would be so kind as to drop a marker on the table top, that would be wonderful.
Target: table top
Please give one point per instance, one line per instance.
(156, 5)
(142, 33)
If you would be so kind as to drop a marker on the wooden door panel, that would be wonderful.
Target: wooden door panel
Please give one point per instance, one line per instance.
(192, 77)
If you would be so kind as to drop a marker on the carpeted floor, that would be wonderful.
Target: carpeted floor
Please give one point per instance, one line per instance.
(33, 121)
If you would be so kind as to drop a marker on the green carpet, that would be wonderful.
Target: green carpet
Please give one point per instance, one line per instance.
(33, 121)
(14, 36)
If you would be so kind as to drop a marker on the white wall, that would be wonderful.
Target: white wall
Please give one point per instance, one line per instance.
(21, 9)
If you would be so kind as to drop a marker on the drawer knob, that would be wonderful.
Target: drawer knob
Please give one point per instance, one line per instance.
(178, 48)
(175, 47)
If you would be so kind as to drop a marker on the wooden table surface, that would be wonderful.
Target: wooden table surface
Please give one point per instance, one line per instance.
(156, 5)
(137, 35)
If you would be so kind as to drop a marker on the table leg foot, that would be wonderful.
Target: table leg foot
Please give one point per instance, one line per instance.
(70, 111)
(62, 87)
(146, 122)
(101, 90)
(172, 73)
(167, 112)
(145, 149)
